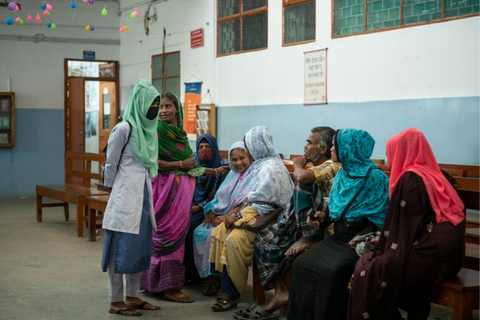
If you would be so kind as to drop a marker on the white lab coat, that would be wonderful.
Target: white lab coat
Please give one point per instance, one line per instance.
(127, 180)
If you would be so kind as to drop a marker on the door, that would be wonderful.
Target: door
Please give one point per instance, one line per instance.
(107, 117)
(75, 124)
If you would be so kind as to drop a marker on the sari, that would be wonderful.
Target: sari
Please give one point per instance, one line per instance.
(172, 197)
(231, 194)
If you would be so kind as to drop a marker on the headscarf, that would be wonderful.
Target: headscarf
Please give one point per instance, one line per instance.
(272, 180)
(173, 141)
(350, 192)
(142, 138)
(206, 184)
(410, 151)
(235, 187)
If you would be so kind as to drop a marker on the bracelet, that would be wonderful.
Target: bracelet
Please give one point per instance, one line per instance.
(181, 164)
(216, 173)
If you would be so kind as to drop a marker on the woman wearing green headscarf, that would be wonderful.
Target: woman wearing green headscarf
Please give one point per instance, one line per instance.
(173, 191)
(131, 160)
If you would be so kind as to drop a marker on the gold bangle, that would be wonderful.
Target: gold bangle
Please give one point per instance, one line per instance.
(181, 164)
(216, 173)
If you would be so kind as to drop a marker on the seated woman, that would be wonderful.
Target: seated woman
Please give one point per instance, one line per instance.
(207, 156)
(227, 201)
(232, 243)
(358, 202)
(421, 243)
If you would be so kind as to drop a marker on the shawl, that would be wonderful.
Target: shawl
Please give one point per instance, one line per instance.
(173, 142)
(363, 198)
(234, 189)
(142, 138)
(207, 184)
(272, 180)
(410, 151)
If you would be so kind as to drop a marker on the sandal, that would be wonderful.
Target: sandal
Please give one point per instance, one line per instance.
(178, 296)
(126, 311)
(244, 312)
(212, 288)
(144, 306)
(258, 313)
(225, 302)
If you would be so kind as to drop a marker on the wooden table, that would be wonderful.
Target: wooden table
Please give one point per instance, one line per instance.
(95, 205)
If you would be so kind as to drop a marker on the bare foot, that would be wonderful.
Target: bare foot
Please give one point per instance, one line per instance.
(177, 296)
(279, 299)
(299, 246)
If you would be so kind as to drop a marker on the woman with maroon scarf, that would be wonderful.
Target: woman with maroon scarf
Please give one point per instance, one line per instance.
(422, 240)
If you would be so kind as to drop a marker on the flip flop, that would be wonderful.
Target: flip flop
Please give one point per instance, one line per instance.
(243, 312)
(258, 313)
(177, 297)
(124, 312)
(225, 302)
(142, 306)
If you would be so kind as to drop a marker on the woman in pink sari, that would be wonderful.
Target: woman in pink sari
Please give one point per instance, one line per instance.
(172, 192)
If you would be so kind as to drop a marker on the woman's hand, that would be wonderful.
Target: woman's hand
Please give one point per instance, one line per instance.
(196, 209)
(209, 219)
(319, 218)
(189, 164)
(230, 220)
(300, 162)
(219, 220)
(221, 171)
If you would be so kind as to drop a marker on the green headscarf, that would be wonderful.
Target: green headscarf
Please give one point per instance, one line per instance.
(142, 139)
(173, 141)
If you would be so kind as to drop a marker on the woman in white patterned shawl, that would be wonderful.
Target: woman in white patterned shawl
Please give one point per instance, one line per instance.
(232, 246)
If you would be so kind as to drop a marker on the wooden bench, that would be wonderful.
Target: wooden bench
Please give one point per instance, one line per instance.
(75, 190)
(95, 206)
(461, 294)
(472, 256)
(472, 235)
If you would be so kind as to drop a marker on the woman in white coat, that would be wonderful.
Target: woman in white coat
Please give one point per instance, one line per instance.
(128, 220)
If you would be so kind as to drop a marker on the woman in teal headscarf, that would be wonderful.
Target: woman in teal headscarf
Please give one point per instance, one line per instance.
(131, 160)
(358, 203)
(173, 190)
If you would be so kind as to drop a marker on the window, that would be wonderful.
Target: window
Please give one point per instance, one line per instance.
(166, 72)
(351, 16)
(241, 26)
(298, 21)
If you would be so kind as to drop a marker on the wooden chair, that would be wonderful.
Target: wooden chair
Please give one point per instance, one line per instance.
(461, 294)
(95, 206)
(75, 190)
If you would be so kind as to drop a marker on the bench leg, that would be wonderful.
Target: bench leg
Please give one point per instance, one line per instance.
(92, 224)
(39, 208)
(66, 211)
(258, 291)
(80, 219)
(463, 307)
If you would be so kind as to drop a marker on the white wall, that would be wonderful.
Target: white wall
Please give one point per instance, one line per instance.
(179, 18)
(36, 70)
(434, 61)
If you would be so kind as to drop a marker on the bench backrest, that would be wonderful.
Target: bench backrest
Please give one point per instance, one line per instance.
(78, 168)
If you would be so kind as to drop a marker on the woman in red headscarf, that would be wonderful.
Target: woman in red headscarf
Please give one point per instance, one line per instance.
(422, 241)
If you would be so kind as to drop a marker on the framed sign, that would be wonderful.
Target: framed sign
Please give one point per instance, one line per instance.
(196, 38)
(315, 77)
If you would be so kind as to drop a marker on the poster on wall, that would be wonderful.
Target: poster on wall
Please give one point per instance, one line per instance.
(193, 95)
(315, 77)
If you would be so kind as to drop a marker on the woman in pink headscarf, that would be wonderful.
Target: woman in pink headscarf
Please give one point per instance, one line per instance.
(422, 241)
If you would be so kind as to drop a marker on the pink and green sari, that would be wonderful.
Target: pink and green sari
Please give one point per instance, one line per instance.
(172, 193)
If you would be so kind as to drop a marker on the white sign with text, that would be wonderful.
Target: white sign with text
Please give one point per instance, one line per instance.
(315, 83)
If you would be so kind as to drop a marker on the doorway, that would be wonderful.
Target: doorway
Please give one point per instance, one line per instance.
(91, 106)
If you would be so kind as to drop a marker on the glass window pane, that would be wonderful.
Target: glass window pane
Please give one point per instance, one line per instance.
(255, 31)
(455, 8)
(253, 4)
(349, 16)
(173, 65)
(228, 7)
(158, 84)
(173, 86)
(383, 14)
(157, 66)
(229, 36)
(299, 22)
(106, 112)
(91, 69)
(414, 12)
